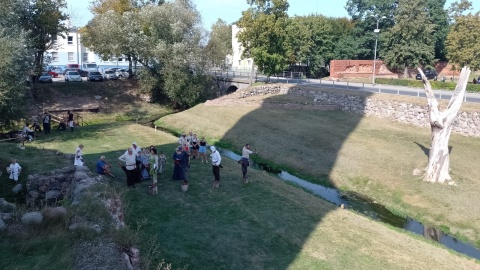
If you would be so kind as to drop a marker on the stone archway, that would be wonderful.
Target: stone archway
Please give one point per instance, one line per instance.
(231, 89)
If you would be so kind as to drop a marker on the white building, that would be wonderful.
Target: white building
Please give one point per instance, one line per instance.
(237, 63)
(70, 50)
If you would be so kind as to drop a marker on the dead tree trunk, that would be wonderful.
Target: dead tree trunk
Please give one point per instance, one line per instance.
(438, 168)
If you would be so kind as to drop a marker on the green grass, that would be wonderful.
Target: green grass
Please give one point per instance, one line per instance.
(266, 224)
(346, 150)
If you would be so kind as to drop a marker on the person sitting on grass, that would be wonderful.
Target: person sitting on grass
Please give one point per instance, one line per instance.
(103, 167)
(62, 126)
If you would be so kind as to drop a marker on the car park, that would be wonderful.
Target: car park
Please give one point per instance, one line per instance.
(110, 75)
(73, 76)
(45, 78)
(430, 74)
(95, 76)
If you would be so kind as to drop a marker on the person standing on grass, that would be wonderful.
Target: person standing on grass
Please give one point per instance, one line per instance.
(70, 120)
(216, 162)
(27, 133)
(78, 156)
(185, 162)
(195, 146)
(245, 161)
(203, 150)
(129, 168)
(47, 121)
(14, 170)
(177, 164)
(162, 162)
(153, 162)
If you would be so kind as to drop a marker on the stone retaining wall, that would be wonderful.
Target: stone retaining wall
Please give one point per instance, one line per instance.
(466, 123)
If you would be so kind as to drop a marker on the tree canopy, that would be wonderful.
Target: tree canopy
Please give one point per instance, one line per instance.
(263, 34)
(409, 42)
(219, 43)
(463, 48)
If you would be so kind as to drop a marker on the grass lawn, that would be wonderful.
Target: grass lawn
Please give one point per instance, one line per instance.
(266, 224)
(372, 156)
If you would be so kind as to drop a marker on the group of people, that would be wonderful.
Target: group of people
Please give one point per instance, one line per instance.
(29, 132)
(142, 164)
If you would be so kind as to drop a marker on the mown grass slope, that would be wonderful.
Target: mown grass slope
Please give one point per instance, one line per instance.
(375, 157)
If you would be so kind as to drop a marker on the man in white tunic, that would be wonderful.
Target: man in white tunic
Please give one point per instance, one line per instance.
(129, 167)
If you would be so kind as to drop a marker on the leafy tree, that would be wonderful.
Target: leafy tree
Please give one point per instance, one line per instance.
(15, 63)
(409, 42)
(439, 17)
(41, 19)
(313, 39)
(220, 43)
(263, 34)
(463, 48)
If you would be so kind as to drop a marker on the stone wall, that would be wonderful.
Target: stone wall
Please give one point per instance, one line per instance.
(466, 123)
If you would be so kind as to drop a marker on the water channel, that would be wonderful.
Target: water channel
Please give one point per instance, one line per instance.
(370, 208)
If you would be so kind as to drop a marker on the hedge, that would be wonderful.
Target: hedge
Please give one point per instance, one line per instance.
(438, 85)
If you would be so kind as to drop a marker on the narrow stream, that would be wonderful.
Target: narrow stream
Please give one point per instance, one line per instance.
(368, 207)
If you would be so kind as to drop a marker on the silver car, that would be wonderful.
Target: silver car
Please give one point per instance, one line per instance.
(122, 73)
(45, 78)
(72, 76)
(110, 75)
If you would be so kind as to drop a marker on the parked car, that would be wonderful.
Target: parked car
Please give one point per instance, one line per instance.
(95, 76)
(73, 76)
(430, 74)
(53, 73)
(45, 78)
(110, 75)
(82, 72)
(122, 73)
(58, 70)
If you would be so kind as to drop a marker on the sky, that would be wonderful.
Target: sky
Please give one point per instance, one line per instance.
(231, 10)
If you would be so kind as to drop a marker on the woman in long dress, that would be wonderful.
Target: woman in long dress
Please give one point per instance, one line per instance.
(177, 161)
(78, 156)
(153, 162)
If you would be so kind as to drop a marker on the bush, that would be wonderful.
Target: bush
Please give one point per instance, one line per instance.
(436, 85)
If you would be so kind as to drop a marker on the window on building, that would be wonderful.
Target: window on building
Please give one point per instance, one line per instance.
(70, 40)
(239, 62)
(248, 62)
(70, 57)
(120, 59)
(85, 57)
(54, 39)
(55, 56)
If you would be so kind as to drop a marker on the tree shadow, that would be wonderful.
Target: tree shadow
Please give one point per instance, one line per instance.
(271, 235)
(426, 150)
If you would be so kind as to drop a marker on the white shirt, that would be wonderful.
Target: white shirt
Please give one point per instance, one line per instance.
(14, 168)
(26, 129)
(246, 153)
(216, 158)
(129, 160)
(135, 152)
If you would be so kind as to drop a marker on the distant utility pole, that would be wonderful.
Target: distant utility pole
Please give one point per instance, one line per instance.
(376, 31)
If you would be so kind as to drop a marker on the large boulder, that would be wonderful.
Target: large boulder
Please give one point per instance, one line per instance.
(32, 218)
(7, 206)
(52, 194)
(3, 226)
(54, 212)
(80, 175)
(17, 188)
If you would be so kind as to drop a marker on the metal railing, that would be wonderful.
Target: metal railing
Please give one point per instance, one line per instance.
(300, 79)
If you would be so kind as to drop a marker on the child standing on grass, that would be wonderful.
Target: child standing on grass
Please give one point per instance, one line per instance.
(162, 162)
(203, 150)
(14, 170)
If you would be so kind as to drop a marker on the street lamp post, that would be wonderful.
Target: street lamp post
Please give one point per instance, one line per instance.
(376, 31)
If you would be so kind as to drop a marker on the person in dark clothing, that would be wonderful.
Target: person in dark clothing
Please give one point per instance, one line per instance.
(70, 120)
(47, 121)
(62, 126)
(177, 161)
